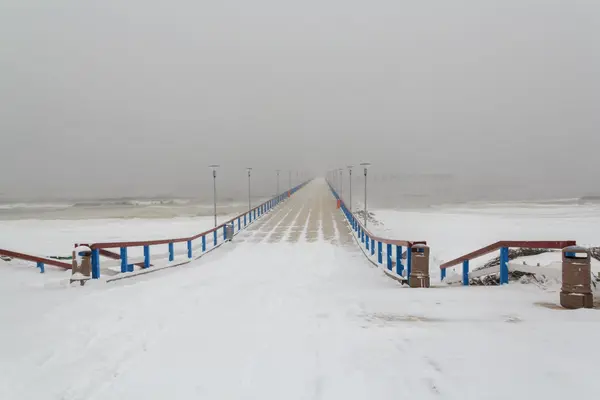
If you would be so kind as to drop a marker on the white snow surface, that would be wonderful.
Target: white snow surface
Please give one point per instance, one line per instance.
(268, 318)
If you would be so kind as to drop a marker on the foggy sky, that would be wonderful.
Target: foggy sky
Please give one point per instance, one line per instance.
(138, 97)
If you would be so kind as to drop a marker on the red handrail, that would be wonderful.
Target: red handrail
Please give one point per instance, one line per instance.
(36, 259)
(528, 244)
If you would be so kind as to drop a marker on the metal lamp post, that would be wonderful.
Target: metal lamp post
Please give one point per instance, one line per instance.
(249, 193)
(350, 179)
(341, 184)
(278, 193)
(214, 171)
(365, 166)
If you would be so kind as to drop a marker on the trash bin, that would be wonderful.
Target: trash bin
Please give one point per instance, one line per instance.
(81, 266)
(419, 274)
(576, 291)
(229, 232)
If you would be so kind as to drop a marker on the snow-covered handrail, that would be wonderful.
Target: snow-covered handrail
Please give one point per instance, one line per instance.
(392, 252)
(503, 246)
(229, 227)
(40, 261)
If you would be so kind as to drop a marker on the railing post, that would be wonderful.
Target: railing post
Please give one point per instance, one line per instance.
(95, 263)
(189, 246)
(362, 236)
(399, 266)
(225, 232)
(466, 273)
(389, 256)
(443, 274)
(379, 252)
(245, 222)
(367, 242)
(215, 237)
(239, 224)
(40, 265)
(372, 247)
(146, 256)
(503, 265)
(123, 259)
(171, 252)
(203, 243)
(408, 261)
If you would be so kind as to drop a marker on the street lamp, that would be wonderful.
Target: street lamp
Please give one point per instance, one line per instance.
(341, 184)
(365, 166)
(350, 174)
(214, 168)
(278, 171)
(249, 195)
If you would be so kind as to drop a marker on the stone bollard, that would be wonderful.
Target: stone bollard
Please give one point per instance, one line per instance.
(576, 291)
(419, 274)
(81, 267)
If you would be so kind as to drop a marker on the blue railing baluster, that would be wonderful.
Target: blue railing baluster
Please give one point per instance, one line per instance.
(189, 247)
(40, 265)
(146, 256)
(389, 256)
(123, 259)
(203, 243)
(380, 252)
(503, 265)
(215, 237)
(399, 266)
(171, 252)
(95, 263)
(465, 272)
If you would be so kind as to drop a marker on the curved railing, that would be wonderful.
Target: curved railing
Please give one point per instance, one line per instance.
(390, 250)
(503, 246)
(200, 243)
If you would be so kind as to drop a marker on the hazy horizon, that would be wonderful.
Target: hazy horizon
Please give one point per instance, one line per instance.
(110, 99)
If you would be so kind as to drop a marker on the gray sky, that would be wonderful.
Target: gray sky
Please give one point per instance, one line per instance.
(138, 97)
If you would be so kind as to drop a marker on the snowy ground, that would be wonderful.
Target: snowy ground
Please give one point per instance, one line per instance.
(289, 310)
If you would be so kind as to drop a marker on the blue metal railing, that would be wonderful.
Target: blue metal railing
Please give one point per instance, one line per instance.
(390, 252)
(219, 236)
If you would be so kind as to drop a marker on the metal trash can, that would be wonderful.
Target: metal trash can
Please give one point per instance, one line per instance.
(81, 265)
(229, 232)
(419, 274)
(576, 291)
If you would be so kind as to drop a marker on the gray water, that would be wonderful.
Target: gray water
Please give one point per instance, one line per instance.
(385, 190)
(122, 208)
